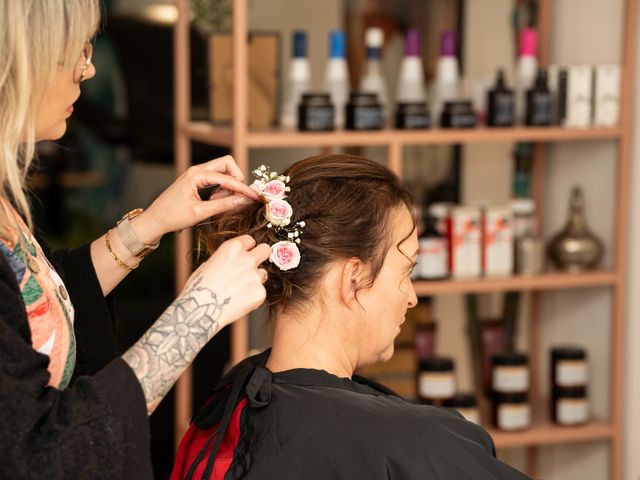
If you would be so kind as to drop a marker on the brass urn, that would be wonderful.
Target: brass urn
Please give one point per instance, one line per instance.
(575, 248)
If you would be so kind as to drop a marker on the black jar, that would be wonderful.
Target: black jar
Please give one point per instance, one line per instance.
(458, 114)
(316, 113)
(364, 112)
(412, 116)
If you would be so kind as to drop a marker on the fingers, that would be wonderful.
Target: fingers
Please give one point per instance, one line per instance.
(222, 205)
(261, 253)
(226, 165)
(264, 276)
(220, 194)
(204, 178)
(246, 241)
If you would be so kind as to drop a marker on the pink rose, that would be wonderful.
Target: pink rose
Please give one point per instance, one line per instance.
(274, 190)
(285, 255)
(279, 212)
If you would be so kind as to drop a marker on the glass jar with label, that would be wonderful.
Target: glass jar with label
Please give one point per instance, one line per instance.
(440, 212)
(436, 379)
(466, 405)
(433, 253)
(511, 411)
(509, 373)
(570, 406)
(568, 367)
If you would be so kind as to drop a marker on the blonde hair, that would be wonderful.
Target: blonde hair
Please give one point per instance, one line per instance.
(38, 39)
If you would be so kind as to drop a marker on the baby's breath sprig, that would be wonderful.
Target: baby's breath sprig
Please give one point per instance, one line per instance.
(273, 190)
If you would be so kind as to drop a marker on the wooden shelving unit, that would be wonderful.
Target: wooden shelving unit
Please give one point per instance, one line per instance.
(241, 140)
(210, 134)
(547, 281)
(541, 434)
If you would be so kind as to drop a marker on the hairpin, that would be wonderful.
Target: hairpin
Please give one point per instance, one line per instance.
(273, 189)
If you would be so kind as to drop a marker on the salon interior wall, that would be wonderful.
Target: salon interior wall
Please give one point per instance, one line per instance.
(583, 31)
(582, 315)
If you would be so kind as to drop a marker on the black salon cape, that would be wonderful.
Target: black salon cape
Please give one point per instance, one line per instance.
(309, 424)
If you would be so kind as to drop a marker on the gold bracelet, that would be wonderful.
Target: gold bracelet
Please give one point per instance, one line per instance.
(115, 257)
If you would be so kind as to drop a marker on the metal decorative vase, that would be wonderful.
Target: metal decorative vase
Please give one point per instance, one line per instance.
(576, 248)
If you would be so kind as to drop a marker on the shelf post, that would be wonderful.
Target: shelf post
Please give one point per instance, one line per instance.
(182, 161)
(621, 239)
(240, 329)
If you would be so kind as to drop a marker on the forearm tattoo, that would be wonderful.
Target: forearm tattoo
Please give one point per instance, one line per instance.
(173, 341)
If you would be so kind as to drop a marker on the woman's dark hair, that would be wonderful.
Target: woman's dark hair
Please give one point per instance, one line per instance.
(347, 203)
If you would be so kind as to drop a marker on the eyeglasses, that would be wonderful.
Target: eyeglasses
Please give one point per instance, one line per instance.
(81, 70)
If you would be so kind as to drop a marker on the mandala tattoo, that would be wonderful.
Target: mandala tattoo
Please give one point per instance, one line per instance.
(174, 340)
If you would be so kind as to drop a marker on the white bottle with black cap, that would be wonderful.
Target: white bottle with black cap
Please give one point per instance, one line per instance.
(337, 75)
(298, 81)
(373, 81)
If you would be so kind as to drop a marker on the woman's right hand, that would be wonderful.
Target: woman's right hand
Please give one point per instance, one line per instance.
(224, 288)
(232, 277)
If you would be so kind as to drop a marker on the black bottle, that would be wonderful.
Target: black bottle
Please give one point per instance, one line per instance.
(539, 103)
(501, 104)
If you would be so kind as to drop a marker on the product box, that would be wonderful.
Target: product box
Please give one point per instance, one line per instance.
(465, 242)
(579, 94)
(497, 241)
(606, 95)
(262, 80)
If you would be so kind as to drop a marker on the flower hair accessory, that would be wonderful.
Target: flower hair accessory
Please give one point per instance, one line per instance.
(273, 189)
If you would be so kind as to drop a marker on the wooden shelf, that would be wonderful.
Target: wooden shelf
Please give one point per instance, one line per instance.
(548, 433)
(547, 281)
(70, 180)
(220, 135)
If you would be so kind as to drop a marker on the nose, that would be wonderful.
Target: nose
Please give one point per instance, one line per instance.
(413, 298)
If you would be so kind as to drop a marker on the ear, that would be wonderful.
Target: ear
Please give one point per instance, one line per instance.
(350, 275)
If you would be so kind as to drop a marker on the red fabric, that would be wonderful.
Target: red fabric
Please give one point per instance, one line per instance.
(194, 440)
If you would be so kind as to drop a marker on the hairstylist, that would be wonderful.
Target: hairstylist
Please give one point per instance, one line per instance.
(70, 407)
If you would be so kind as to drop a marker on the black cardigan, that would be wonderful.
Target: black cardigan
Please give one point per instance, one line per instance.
(96, 428)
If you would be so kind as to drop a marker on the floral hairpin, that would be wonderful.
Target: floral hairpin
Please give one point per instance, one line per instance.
(273, 189)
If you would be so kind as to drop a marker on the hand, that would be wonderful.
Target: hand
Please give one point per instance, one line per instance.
(230, 281)
(180, 206)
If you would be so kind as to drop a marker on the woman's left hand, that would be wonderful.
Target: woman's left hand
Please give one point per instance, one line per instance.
(180, 205)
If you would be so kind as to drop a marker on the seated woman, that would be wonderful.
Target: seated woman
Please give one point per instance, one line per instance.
(344, 245)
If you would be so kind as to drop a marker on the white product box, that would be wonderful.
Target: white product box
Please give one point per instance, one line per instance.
(465, 240)
(497, 242)
(606, 95)
(579, 93)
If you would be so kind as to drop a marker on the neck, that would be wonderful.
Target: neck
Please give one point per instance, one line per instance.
(311, 343)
